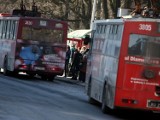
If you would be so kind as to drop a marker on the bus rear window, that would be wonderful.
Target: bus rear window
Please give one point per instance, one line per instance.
(145, 46)
(42, 35)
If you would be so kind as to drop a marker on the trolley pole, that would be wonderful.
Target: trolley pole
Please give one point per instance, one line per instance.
(93, 13)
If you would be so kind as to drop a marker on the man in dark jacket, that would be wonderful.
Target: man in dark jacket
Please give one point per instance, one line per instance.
(75, 65)
(68, 54)
(82, 71)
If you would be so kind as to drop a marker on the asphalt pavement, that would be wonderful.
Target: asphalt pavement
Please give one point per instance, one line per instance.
(69, 80)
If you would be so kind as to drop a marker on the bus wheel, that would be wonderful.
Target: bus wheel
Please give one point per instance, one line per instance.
(51, 78)
(43, 77)
(90, 99)
(89, 87)
(14, 73)
(5, 71)
(31, 75)
(104, 108)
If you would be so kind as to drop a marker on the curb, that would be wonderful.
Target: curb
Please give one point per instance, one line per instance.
(68, 80)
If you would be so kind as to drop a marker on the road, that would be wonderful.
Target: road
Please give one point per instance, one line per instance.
(22, 98)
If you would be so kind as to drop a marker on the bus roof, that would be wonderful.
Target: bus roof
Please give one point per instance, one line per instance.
(31, 18)
(143, 19)
(5, 15)
(109, 20)
(121, 20)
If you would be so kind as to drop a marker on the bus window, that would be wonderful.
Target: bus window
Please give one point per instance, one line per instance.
(8, 30)
(42, 35)
(141, 45)
(119, 32)
(98, 29)
(26, 33)
(111, 35)
(13, 30)
(4, 28)
(104, 30)
(1, 23)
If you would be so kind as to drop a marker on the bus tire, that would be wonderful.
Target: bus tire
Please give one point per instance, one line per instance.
(14, 73)
(89, 87)
(5, 70)
(104, 107)
(31, 75)
(90, 99)
(51, 78)
(43, 77)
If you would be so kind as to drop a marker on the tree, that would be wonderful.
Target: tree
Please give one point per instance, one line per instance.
(76, 12)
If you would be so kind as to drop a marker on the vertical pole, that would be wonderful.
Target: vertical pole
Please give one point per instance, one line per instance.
(33, 3)
(93, 13)
(118, 3)
(21, 5)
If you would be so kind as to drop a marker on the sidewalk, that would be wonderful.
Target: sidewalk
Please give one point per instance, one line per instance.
(68, 80)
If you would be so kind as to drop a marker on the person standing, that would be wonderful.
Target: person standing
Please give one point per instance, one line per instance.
(83, 66)
(68, 54)
(75, 65)
(83, 49)
(72, 53)
(72, 50)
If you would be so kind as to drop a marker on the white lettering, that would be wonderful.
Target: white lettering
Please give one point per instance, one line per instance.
(28, 22)
(134, 59)
(145, 27)
(126, 58)
(142, 81)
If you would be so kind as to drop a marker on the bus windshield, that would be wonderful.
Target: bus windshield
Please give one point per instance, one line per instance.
(42, 35)
(144, 46)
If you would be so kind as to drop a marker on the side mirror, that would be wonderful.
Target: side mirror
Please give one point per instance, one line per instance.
(87, 40)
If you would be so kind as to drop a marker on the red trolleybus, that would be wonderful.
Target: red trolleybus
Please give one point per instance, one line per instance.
(124, 64)
(33, 45)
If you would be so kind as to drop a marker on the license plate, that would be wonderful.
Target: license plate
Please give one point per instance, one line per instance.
(153, 104)
(39, 68)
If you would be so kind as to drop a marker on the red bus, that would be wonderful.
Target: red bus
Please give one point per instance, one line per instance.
(33, 45)
(123, 68)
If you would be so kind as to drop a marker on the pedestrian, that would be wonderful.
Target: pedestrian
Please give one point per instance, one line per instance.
(72, 50)
(75, 64)
(72, 53)
(83, 49)
(68, 54)
(83, 66)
